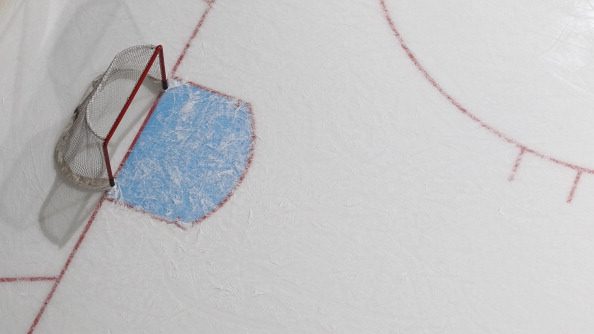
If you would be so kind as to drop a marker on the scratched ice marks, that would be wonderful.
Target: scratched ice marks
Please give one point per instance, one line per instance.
(190, 157)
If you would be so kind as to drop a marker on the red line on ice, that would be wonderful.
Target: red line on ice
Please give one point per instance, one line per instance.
(576, 181)
(159, 218)
(87, 227)
(27, 279)
(192, 37)
(517, 163)
(250, 155)
(239, 182)
(82, 236)
(413, 58)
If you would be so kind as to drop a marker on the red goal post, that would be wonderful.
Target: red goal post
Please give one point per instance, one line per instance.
(82, 153)
(158, 53)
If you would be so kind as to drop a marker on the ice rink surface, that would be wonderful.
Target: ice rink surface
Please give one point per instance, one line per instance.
(419, 167)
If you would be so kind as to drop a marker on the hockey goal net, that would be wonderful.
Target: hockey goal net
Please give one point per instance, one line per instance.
(82, 152)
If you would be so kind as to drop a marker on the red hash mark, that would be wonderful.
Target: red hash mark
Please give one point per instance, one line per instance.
(578, 175)
(524, 149)
(28, 279)
(514, 171)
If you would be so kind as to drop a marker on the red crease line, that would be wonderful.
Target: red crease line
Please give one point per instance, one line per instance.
(235, 187)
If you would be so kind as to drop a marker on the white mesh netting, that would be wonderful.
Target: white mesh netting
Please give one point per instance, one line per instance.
(79, 152)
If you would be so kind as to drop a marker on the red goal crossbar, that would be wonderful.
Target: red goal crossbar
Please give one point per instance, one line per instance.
(158, 53)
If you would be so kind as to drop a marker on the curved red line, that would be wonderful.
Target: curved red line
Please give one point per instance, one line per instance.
(224, 201)
(413, 58)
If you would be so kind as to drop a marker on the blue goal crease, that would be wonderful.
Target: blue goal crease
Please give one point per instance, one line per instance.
(190, 156)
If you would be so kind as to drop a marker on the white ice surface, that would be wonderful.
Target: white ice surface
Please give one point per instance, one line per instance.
(19, 302)
(372, 205)
(50, 55)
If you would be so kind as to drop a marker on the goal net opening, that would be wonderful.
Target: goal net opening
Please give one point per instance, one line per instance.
(82, 153)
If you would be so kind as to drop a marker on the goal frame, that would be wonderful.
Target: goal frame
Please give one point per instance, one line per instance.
(158, 53)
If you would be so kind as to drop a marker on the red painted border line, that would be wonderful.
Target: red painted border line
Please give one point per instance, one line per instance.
(28, 279)
(178, 62)
(576, 181)
(413, 58)
(181, 57)
(159, 218)
(87, 227)
(73, 252)
(517, 163)
(245, 171)
(230, 194)
(211, 90)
